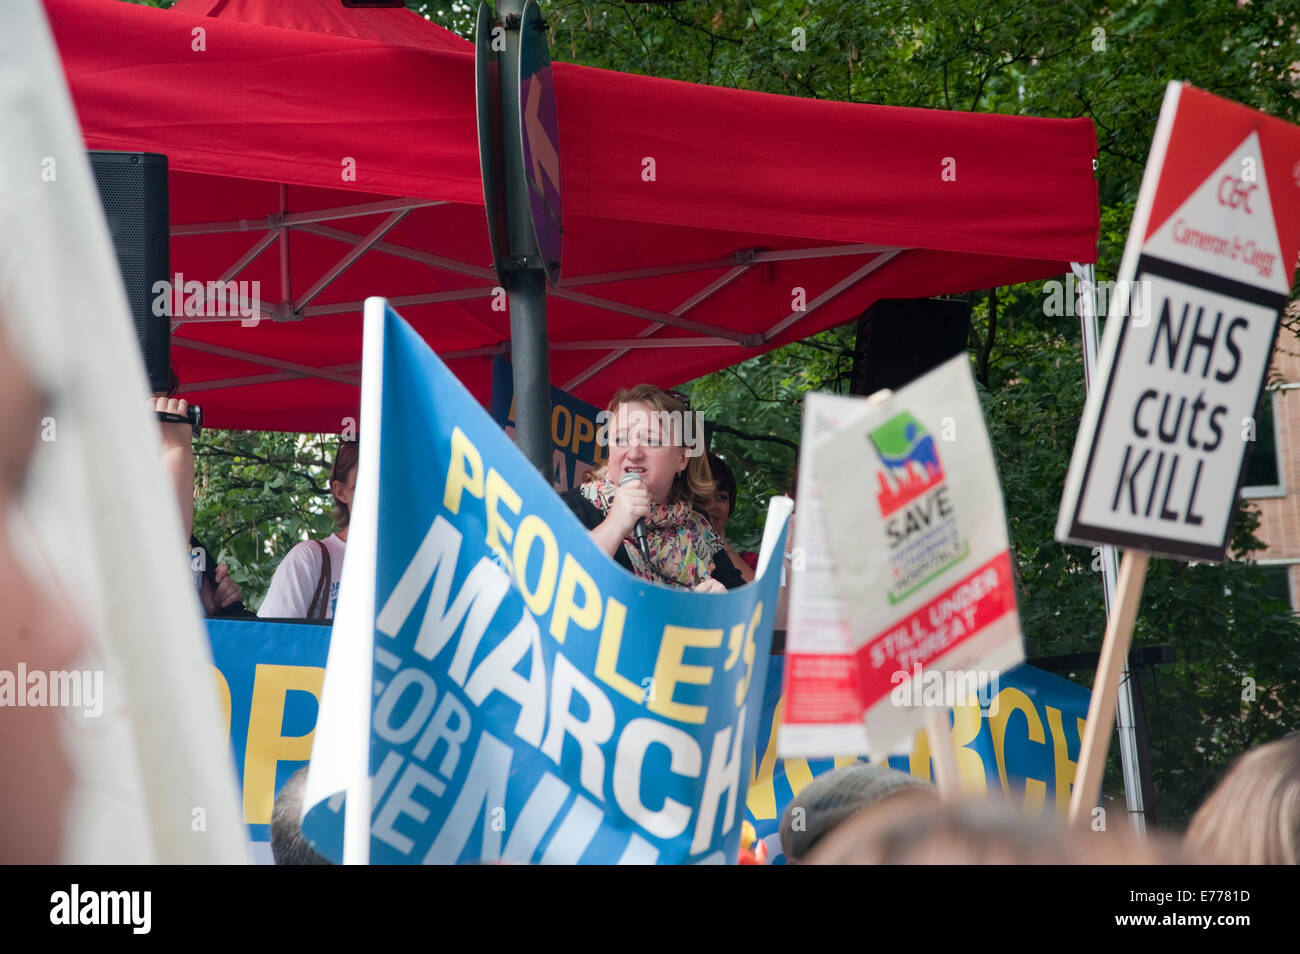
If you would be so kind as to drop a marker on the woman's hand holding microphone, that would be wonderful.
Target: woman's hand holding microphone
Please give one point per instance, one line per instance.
(631, 503)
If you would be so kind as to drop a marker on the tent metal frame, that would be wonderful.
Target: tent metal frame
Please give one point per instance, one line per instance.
(276, 227)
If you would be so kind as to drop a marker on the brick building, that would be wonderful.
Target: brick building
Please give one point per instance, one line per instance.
(1273, 473)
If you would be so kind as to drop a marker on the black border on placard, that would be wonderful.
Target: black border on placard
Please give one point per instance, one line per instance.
(1165, 546)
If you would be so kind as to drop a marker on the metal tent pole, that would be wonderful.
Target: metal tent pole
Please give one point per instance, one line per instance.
(1129, 755)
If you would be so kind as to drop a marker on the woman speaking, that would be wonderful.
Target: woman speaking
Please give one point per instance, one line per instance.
(652, 479)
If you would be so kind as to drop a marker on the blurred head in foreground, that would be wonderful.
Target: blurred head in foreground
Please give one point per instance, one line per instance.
(981, 832)
(847, 792)
(1253, 817)
(288, 846)
(35, 774)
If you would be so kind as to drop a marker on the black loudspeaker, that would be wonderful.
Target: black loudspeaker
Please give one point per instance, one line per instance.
(900, 339)
(133, 191)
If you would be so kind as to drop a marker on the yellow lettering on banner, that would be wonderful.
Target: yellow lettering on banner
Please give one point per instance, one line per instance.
(918, 762)
(265, 746)
(223, 692)
(499, 533)
(556, 413)
(670, 670)
(966, 724)
(1010, 700)
(573, 576)
(583, 430)
(1063, 767)
(970, 767)
(743, 688)
(531, 528)
(798, 773)
(734, 643)
(761, 798)
(459, 479)
(611, 641)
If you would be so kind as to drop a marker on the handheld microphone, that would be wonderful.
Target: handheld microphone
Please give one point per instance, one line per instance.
(638, 531)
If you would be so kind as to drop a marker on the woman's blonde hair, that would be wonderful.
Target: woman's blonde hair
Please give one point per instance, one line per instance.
(1253, 817)
(695, 480)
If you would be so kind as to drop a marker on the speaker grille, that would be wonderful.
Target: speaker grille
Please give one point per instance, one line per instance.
(133, 192)
(899, 339)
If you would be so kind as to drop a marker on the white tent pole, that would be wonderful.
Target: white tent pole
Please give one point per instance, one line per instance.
(1129, 754)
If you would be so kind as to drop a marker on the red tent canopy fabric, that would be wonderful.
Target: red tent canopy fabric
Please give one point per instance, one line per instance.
(330, 154)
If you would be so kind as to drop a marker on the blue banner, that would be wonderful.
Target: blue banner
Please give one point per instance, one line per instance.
(269, 679)
(574, 426)
(533, 701)
(270, 675)
(1024, 743)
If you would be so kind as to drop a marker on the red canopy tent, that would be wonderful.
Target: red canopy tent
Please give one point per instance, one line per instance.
(263, 107)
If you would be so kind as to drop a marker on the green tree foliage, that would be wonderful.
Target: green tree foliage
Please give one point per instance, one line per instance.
(256, 496)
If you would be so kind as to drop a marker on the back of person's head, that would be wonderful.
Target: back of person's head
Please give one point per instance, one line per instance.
(1253, 817)
(989, 831)
(695, 480)
(288, 846)
(847, 792)
(345, 461)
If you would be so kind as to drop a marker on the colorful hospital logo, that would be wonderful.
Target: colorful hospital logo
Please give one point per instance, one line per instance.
(921, 530)
(911, 462)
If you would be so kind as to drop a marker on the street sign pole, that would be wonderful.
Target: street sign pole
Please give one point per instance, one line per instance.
(510, 51)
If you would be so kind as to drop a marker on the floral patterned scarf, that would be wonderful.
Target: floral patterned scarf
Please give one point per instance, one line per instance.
(681, 542)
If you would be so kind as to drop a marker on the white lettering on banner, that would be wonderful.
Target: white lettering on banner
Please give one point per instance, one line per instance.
(476, 603)
(483, 788)
(393, 692)
(590, 734)
(723, 779)
(496, 673)
(633, 743)
(440, 728)
(535, 819)
(577, 831)
(400, 802)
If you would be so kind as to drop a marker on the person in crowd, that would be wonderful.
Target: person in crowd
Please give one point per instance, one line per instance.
(984, 831)
(718, 502)
(847, 792)
(218, 593)
(664, 478)
(306, 583)
(288, 845)
(1253, 817)
(36, 632)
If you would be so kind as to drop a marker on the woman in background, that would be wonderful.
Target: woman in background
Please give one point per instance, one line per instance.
(306, 583)
(718, 503)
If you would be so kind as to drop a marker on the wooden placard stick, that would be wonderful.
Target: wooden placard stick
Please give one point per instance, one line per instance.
(1105, 687)
(944, 755)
